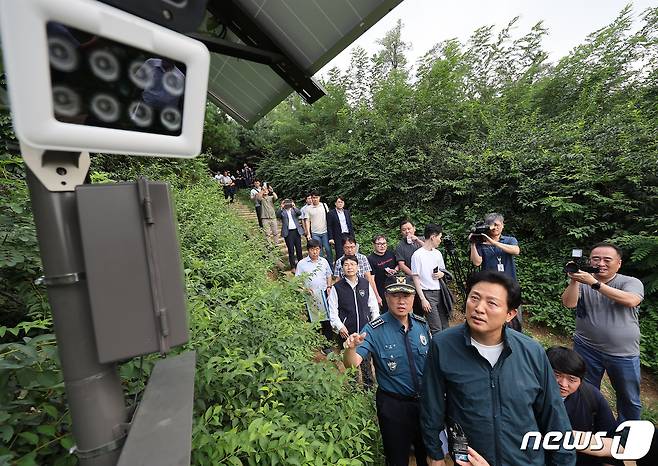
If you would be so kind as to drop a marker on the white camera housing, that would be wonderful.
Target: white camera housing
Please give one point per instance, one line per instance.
(27, 56)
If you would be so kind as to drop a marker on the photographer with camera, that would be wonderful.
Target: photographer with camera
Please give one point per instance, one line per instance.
(266, 196)
(492, 250)
(291, 230)
(607, 327)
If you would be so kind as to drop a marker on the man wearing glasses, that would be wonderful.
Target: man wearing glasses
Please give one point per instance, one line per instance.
(607, 328)
(383, 265)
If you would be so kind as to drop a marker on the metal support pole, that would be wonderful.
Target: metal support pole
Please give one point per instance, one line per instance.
(94, 392)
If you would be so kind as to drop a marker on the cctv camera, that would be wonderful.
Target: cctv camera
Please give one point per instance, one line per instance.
(84, 76)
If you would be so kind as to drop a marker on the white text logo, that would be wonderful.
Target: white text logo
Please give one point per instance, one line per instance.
(637, 445)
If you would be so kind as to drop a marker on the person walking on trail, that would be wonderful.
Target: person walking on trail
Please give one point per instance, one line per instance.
(363, 270)
(339, 225)
(405, 248)
(492, 383)
(383, 264)
(316, 225)
(398, 342)
(228, 186)
(607, 333)
(266, 197)
(253, 194)
(291, 230)
(427, 268)
(317, 282)
(352, 304)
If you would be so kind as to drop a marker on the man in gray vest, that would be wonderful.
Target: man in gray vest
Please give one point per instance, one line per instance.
(607, 326)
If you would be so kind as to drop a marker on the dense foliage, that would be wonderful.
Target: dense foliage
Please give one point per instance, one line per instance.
(568, 152)
(260, 397)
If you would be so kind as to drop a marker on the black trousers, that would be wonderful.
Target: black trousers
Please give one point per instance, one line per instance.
(294, 245)
(399, 423)
(258, 215)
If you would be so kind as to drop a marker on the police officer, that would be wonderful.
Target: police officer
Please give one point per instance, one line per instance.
(398, 342)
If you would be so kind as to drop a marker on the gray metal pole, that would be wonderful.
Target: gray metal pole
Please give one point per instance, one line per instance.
(94, 392)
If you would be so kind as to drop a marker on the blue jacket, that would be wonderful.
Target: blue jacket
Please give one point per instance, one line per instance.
(285, 227)
(393, 351)
(495, 406)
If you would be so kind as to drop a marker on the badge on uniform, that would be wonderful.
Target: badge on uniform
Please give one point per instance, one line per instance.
(423, 340)
(392, 365)
(362, 293)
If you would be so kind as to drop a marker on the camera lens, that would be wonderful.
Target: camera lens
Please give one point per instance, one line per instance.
(104, 65)
(140, 114)
(62, 54)
(141, 74)
(171, 118)
(173, 82)
(65, 101)
(105, 107)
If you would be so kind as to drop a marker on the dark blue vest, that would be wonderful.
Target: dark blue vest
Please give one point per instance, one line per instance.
(354, 316)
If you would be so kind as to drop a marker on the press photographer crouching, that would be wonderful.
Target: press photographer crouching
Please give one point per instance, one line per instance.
(607, 333)
(492, 250)
(586, 407)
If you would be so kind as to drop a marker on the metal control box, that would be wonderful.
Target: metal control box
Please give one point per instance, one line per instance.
(133, 268)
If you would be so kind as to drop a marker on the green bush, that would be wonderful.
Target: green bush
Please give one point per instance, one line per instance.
(260, 398)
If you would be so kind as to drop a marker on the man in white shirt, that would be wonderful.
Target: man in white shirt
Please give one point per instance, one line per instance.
(317, 283)
(427, 267)
(352, 304)
(228, 185)
(316, 224)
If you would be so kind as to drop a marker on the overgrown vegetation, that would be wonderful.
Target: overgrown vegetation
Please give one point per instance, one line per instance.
(568, 152)
(260, 398)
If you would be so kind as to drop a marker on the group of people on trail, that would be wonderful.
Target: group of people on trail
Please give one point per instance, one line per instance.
(230, 183)
(475, 390)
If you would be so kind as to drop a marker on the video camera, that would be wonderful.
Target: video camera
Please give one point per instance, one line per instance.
(577, 263)
(478, 231)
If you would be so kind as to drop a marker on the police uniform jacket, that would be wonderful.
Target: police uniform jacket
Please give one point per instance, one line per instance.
(394, 351)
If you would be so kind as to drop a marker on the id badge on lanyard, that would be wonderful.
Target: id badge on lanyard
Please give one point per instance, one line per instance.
(501, 267)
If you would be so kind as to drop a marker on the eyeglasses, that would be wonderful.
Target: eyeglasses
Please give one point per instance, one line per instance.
(381, 243)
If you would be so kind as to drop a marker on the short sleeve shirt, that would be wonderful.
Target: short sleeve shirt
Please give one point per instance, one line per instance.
(423, 263)
(386, 342)
(318, 272)
(317, 215)
(378, 265)
(605, 325)
(492, 256)
(404, 251)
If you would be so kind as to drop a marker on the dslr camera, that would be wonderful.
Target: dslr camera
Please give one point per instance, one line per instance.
(478, 230)
(578, 263)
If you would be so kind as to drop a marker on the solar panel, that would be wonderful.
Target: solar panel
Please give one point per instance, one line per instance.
(309, 33)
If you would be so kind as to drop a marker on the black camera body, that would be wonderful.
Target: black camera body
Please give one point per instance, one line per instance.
(449, 244)
(575, 266)
(579, 263)
(457, 442)
(478, 230)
